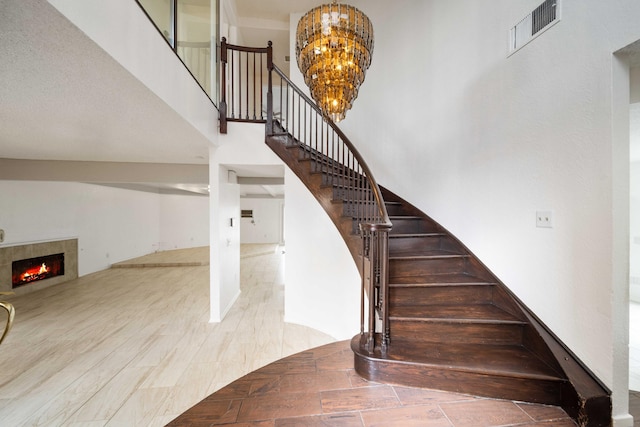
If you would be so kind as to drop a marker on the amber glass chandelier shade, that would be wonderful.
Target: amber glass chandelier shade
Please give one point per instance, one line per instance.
(334, 44)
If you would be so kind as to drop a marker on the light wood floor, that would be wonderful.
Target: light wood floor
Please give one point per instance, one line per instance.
(634, 346)
(133, 346)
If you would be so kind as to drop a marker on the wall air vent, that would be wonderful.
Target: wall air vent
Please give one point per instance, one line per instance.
(537, 22)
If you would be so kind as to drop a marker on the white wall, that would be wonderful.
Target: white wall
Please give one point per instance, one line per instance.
(113, 25)
(321, 279)
(111, 224)
(229, 242)
(229, 22)
(480, 142)
(184, 221)
(322, 284)
(224, 253)
(634, 208)
(244, 144)
(635, 232)
(265, 226)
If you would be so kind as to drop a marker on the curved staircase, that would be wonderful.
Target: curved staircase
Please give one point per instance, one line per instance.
(437, 317)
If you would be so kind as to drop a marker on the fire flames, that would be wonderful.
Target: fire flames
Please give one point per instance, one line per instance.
(35, 273)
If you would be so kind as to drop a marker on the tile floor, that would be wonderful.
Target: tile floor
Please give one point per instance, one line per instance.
(634, 362)
(634, 346)
(134, 346)
(319, 387)
(634, 407)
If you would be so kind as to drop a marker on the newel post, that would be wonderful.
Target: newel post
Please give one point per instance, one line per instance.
(375, 283)
(383, 235)
(269, 127)
(223, 86)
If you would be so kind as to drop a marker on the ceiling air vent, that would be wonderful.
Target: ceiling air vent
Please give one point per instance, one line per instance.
(531, 26)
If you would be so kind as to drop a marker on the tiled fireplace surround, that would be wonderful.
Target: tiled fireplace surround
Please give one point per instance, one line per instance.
(17, 252)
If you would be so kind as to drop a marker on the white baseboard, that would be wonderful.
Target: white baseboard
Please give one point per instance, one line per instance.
(625, 420)
(231, 303)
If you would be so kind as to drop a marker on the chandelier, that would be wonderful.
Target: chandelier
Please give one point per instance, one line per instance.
(334, 43)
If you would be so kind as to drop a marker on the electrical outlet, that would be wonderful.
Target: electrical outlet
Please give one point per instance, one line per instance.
(544, 219)
(1, 235)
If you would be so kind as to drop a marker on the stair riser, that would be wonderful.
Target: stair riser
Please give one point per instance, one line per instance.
(393, 209)
(358, 210)
(411, 226)
(405, 244)
(322, 163)
(319, 163)
(478, 384)
(433, 295)
(330, 179)
(413, 332)
(416, 267)
(340, 193)
(353, 208)
(296, 151)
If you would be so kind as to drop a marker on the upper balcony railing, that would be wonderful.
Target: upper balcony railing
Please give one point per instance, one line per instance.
(187, 27)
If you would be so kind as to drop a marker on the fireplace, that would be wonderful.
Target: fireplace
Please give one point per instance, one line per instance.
(31, 266)
(30, 270)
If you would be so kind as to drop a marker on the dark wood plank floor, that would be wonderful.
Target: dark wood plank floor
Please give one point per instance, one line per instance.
(319, 387)
(634, 407)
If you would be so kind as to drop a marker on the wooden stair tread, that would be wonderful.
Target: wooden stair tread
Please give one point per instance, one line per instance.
(476, 313)
(416, 235)
(336, 172)
(424, 254)
(359, 202)
(343, 187)
(503, 360)
(438, 280)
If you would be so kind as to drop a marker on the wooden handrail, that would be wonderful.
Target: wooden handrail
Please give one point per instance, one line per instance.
(303, 124)
(385, 221)
(374, 185)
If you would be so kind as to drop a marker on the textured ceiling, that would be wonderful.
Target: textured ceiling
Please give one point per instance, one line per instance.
(63, 98)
